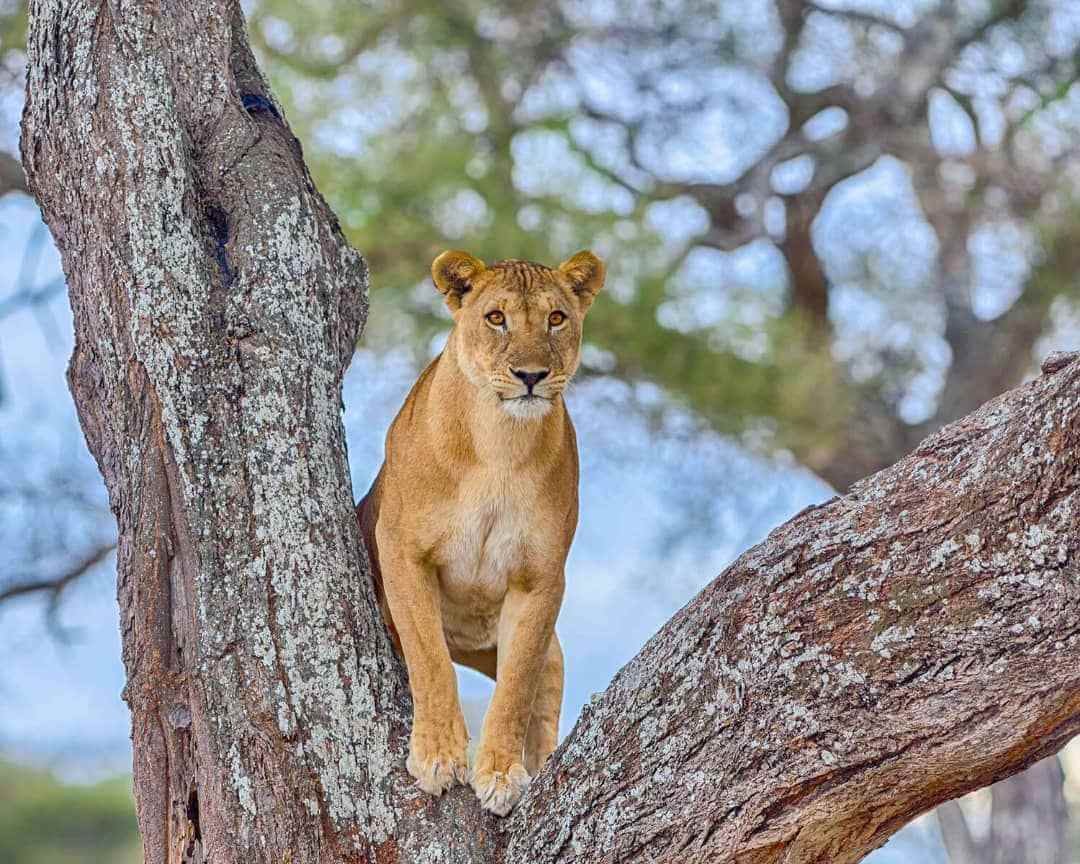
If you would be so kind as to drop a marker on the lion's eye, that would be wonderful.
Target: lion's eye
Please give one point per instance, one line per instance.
(556, 318)
(496, 318)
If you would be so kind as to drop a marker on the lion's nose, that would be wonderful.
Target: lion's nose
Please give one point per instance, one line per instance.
(530, 379)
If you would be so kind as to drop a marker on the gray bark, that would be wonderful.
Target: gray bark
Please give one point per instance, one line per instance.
(873, 657)
(960, 843)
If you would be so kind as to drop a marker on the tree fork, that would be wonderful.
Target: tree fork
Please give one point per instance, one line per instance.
(911, 641)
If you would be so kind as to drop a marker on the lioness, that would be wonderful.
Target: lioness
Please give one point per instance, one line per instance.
(470, 518)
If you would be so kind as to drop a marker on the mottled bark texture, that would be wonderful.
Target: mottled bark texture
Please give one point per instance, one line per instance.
(216, 307)
(906, 643)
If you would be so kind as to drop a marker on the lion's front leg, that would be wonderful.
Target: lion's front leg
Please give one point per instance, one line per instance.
(526, 627)
(439, 741)
(543, 734)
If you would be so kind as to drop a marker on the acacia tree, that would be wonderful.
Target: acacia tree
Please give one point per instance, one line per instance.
(873, 657)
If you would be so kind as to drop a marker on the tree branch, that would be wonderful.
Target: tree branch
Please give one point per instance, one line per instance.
(56, 586)
(875, 656)
(857, 16)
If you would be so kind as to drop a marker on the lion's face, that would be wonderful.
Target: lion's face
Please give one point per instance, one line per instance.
(518, 325)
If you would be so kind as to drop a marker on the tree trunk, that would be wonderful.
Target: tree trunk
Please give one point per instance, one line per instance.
(216, 307)
(1028, 817)
(873, 657)
(1028, 821)
(959, 842)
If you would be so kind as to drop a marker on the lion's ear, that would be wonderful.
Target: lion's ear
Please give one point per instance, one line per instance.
(453, 273)
(586, 273)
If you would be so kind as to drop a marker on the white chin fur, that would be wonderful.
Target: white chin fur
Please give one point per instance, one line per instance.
(526, 409)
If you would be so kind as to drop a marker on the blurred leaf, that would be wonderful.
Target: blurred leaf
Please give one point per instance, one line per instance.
(43, 821)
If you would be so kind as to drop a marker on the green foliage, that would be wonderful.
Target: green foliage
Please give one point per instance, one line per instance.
(436, 164)
(411, 141)
(422, 126)
(43, 821)
(12, 28)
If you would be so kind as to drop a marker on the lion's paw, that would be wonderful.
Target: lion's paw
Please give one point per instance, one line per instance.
(498, 791)
(437, 757)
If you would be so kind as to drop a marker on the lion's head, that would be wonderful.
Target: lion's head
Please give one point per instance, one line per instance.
(517, 325)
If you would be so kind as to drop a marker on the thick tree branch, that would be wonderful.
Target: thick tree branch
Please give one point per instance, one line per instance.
(875, 656)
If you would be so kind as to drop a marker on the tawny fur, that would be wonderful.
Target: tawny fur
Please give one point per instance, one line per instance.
(471, 516)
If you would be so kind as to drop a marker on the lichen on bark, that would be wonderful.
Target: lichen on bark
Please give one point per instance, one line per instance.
(210, 281)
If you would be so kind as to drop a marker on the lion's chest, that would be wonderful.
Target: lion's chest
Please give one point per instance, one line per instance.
(487, 539)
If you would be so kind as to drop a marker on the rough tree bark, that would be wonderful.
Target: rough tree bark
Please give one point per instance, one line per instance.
(913, 640)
